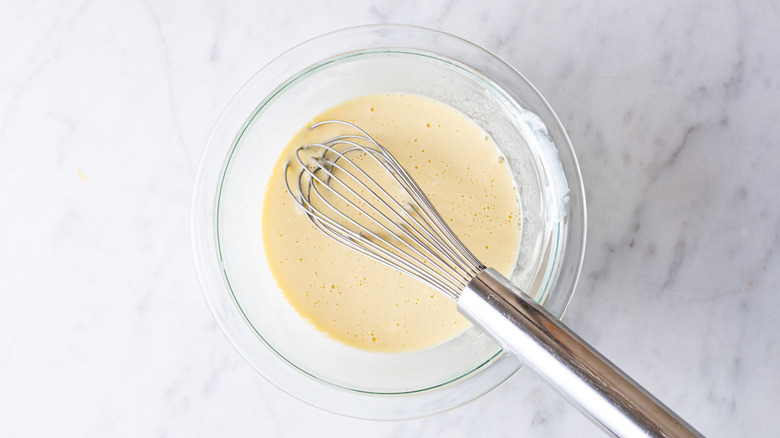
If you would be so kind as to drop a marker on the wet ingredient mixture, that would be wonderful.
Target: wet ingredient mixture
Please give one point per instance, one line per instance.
(356, 300)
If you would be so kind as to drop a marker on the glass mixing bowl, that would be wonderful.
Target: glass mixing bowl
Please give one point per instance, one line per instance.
(246, 143)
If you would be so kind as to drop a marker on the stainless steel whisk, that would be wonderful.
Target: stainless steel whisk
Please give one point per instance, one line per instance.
(356, 192)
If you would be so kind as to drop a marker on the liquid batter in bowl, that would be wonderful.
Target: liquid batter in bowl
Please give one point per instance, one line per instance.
(356, 300)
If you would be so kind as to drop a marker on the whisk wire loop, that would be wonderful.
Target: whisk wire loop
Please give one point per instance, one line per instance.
(398, 227)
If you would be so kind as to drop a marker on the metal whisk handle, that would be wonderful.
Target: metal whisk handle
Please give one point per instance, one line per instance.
(594, 385)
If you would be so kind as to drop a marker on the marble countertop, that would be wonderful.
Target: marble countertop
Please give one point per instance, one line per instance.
(105, 108)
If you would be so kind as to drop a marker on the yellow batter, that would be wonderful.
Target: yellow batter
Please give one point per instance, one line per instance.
(361, 302)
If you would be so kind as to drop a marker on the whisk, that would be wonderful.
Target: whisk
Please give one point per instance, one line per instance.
(352, 189)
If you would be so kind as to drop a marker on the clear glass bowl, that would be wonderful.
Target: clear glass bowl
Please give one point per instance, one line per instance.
(231, 182)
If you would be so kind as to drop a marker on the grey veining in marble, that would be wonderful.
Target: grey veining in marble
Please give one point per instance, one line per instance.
(105, 107)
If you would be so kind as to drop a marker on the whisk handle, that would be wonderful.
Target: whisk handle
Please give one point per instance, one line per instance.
(609, 397)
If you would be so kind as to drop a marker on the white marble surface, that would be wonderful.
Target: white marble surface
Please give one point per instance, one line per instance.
(105, 107)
